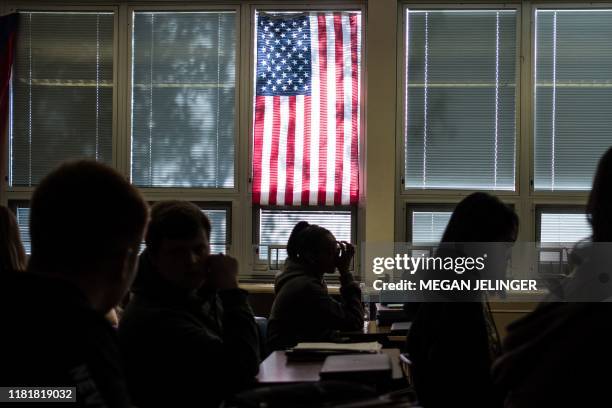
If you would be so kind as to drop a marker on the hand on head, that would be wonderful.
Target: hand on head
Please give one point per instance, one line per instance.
(346, 252)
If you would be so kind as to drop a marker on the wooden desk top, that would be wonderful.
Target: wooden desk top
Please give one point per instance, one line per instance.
(277, 370)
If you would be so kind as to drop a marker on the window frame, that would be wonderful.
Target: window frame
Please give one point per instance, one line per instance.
(127, 143)
(260, 268)
(525, 198)
(403, 191)
(12, 192)
(259, 271)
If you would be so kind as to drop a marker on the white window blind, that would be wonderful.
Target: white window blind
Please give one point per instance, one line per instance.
(23, 222)
(460, 99)
(183, 99)
(218, 234)
(573, 91)
(275, 226)
(563, 228)
(428, 226)
(62, 92)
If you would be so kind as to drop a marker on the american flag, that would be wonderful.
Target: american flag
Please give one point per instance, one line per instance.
(307, 110)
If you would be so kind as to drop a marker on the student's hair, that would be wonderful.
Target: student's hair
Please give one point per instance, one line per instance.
(305, 241)
(480, 217)
(175, 220)
(599, 205)
(12, 253)
(83, 213)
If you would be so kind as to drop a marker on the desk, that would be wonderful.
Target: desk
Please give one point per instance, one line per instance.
(277, 370)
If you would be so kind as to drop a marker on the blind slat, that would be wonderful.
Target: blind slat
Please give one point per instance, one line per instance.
(275, 226)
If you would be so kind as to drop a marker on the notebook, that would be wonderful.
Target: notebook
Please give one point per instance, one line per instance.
(319, 351)
(357, 367)
(401, 327)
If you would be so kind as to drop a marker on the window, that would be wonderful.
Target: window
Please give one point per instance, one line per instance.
(460, 101)
(562, 227)
(218, 216)
(306, 126)
(219, 235)
(573, 106)
(183, 99)
(275, 225)
(426, 226)
(22, 214)
(62, 92)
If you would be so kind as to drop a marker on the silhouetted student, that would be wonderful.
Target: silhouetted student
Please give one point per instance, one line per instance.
(12, 254)
(303, 310)
(188, 335)
(86, 223)
(559, 355)
(452, 344)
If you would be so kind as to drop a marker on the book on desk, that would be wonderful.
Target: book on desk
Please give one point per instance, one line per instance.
(357, 367)
(320, 351)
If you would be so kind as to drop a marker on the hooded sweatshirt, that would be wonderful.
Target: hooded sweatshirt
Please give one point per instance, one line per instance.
(186, 349)
(558, 356)
(303, 310)
(54, 338)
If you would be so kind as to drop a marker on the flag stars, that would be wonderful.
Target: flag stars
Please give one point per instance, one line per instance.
(285, 54)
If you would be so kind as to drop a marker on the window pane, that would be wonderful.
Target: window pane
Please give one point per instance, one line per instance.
(183, 99)
(573, 107)
(62, 92)
(23, 222)
(567, 228)
(275, 226)
(460, 99)
(428, 226)
(218, 233)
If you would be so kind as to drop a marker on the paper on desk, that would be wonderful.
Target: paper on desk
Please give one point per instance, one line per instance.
(371, 347)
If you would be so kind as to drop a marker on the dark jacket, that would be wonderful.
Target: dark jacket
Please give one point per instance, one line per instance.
(304, 311)
(53, 337)
(558, 356)
(452, 347)
(185, 349)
